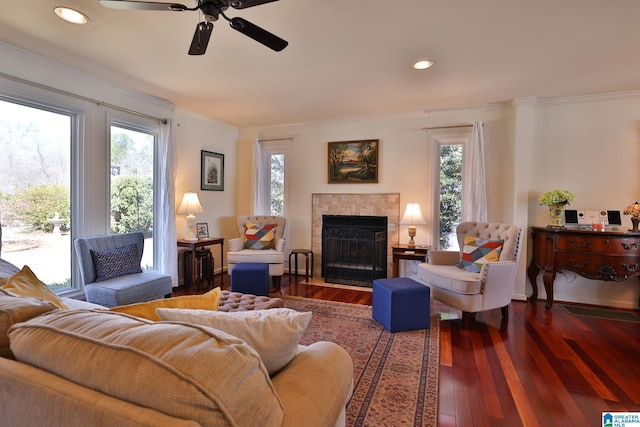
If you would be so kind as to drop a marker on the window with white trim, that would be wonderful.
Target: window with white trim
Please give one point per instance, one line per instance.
(450, 183)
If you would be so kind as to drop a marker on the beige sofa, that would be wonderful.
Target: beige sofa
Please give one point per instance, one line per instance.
(87, 367)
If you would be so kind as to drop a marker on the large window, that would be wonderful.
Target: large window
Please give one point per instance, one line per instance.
(35, 190)
(278, 178)
(450, 177)
(132, 184)
(450, 195)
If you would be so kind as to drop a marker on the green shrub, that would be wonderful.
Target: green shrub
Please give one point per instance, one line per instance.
(132, 197)
(34, 206)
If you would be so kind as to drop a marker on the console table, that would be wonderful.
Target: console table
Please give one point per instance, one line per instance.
(597, 255)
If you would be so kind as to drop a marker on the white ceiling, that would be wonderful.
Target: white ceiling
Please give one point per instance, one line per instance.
(346, 58)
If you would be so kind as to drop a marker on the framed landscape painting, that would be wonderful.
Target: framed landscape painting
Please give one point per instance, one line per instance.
(353, 162)
(212, 171)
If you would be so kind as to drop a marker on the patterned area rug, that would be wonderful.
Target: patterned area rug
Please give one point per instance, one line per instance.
(395, 374)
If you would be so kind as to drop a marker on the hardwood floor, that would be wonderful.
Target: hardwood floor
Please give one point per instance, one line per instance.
(537, 368)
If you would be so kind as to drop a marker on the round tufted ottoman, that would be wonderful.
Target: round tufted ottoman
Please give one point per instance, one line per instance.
(236, 301)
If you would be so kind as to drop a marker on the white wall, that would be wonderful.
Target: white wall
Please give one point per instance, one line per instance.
(196, 133)
(404, 163)
(588, 145)
(591, 146)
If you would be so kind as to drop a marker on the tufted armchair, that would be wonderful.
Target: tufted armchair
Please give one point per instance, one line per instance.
(245, 249)
(467, 290)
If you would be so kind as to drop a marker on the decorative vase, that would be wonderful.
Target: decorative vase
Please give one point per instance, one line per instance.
(556, 215)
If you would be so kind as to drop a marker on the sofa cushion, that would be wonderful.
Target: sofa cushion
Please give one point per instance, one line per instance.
(268, 256)
(15, 309)
(477, 251)
(110, 263)
(259, 236)
(186, 371)
(274, 334)
(147, 310)
(450, 277)
(25, 283)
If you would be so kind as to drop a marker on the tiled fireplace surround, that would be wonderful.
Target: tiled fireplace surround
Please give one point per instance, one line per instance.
(385, 204)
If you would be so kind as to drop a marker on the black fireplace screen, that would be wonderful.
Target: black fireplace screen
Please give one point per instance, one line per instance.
(354, 249)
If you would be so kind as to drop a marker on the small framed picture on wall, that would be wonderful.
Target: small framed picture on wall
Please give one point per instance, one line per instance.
(211, 171)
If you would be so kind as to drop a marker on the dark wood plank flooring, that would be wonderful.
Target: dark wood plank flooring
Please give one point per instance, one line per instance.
(536, 368)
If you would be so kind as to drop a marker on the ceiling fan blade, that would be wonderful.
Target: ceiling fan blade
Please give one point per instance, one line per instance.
(258, 34)
(201, 38)
(141, 5)
(243, 4)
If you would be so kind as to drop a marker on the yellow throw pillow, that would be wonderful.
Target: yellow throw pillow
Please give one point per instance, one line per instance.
(147, 310)
(25, 284)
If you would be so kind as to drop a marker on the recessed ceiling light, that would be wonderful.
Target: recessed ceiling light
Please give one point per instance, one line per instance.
(71, 15)
(423, 64)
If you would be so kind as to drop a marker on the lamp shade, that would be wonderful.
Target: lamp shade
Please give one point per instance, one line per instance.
(190, 204)
(412, 215)
(633, 209)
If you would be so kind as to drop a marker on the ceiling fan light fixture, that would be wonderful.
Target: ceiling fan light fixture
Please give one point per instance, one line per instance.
(423, 64)
(71, 15)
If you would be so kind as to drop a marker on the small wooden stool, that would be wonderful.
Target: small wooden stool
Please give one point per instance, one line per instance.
(306, 253)
(204, 267)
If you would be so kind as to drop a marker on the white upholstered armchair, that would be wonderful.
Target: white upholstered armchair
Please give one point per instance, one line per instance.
(260, 239)
(466, 289)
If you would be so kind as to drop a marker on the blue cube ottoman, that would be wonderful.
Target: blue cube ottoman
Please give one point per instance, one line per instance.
(401, 304)
(250, 278)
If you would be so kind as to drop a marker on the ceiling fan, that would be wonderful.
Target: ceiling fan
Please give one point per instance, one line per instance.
(211, 9)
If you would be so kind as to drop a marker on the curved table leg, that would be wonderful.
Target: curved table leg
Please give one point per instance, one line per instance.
(548, 277)
(532, 273)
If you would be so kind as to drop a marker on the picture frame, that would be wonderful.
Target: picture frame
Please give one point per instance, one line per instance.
(353, 162)
(211, 171)
(202, 230)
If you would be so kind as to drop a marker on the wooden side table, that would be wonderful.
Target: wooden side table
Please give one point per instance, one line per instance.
(411, 253)
(200, 243)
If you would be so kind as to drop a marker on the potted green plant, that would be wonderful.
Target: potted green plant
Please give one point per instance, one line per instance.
(556, 200)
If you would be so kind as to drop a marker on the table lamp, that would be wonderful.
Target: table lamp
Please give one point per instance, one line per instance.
(634, 210)
(412, 217)
(190, 205)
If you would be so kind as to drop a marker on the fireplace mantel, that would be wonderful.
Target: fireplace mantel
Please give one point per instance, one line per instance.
(374, 204)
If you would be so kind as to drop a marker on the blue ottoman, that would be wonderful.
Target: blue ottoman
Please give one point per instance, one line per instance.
(250, 278)
(401, 304)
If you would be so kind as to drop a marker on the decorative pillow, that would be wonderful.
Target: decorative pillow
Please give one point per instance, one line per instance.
(274, 334)
(15, 309)
(259, 236)
(147, 310)
(187, 371)
(110, 263)
(25, 284)
(477, 252)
